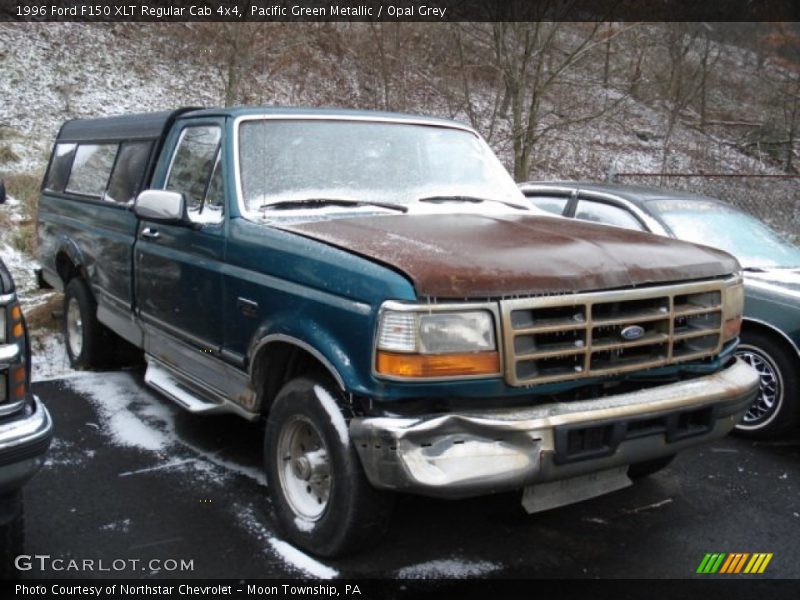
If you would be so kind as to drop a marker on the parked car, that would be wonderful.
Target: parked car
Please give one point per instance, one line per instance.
(770, 338)
(375, 287)
(25, 424)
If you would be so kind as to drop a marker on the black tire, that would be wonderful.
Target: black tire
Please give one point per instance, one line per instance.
(86, 341)
(775, 410)
(12, 535)
(648, 467)
(353, 514)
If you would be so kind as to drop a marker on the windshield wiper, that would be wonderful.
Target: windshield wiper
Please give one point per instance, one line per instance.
(322, 202)
(472, 199)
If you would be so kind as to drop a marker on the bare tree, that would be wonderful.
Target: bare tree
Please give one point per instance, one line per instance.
(537, 61)
(678, 81)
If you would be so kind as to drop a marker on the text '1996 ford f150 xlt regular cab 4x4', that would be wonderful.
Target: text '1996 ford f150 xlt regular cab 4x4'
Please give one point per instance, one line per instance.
(374, 287)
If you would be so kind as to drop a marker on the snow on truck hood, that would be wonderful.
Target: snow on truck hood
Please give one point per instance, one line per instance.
(502, 255)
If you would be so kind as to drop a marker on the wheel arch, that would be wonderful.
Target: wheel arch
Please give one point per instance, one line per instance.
(277, 358)
(69, 262)
(763, 327)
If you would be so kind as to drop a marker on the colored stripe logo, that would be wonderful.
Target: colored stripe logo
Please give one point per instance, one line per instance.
(734, 563)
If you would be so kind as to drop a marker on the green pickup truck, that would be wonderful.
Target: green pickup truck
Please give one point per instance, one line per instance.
(375, 288)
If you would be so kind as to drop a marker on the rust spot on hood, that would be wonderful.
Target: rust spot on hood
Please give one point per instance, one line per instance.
(480, 256)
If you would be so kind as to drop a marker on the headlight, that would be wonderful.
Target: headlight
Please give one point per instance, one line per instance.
(732, 309)
(428, 344)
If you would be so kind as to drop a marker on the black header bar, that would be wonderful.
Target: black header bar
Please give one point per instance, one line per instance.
(437, 11)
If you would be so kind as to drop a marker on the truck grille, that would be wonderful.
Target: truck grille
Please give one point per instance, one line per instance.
(559, 338)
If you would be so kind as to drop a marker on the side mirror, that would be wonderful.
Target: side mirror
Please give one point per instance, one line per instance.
(2, 192)
(161, 206)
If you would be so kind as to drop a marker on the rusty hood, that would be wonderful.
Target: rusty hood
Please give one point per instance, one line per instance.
(480, 256)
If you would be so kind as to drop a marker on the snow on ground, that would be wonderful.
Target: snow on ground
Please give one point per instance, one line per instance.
(448, 568)
(115, 397)
(22, 267)
(130, 416)
(290, 555)
(49, 357)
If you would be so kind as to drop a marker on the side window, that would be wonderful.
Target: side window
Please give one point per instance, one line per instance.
(552, 204)
(126, 180)
(91, 169)
(214, 205)
(193, 165)
(599, 212)
(59, 167)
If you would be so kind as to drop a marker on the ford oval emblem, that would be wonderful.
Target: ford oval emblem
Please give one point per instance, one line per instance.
(632, 332)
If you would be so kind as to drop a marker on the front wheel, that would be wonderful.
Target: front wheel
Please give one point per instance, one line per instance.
(774, 411)
(323, 501)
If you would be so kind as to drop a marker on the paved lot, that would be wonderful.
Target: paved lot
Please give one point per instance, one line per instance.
(132, 477)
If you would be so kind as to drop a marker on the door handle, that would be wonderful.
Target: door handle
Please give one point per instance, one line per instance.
(150, 233)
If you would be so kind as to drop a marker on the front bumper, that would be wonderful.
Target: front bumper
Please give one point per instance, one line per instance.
(24, 440)
(466, 454)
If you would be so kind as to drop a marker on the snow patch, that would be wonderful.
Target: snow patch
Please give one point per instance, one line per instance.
(447, 568)
(64, 454)
(122, 526)
(49, 358)
(330, 406)
(304, 524)
(294, 557)
(114, 395)
(290, 555)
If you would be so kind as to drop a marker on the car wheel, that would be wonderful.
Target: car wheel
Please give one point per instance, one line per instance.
(648, 467)
(12, 535)
(83, 333)
(322, 499)
(774, 411)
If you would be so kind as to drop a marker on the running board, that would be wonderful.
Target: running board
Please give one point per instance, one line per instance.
(178, 389)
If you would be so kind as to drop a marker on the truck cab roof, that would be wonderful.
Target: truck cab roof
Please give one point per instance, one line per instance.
(157, 124)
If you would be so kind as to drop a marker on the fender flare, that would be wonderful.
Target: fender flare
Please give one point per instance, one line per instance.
(68, 246)
(773, 329)
(266, 340)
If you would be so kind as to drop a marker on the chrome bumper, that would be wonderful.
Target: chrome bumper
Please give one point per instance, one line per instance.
(465, 454)
(24, 441)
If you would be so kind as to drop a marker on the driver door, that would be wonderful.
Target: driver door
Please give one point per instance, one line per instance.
(178, 266)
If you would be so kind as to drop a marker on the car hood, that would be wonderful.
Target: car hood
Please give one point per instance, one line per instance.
(778, 281)
(479, 256)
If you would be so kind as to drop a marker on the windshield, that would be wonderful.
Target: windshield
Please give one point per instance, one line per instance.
(366, 161)
(753, 243)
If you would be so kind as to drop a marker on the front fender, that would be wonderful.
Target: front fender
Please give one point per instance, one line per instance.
(334, 349)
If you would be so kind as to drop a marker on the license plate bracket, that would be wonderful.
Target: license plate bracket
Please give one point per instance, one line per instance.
(545, 496)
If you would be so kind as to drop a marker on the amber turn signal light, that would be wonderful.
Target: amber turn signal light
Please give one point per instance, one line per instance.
(731, 328)
(17, 329)
(395, 364)
(18, 384)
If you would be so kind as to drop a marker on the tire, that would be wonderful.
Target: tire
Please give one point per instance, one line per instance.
(12, 536)
(322, 499)
(775, 409)
(84, 336)
(648, 467)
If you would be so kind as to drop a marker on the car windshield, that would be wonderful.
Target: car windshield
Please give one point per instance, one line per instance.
(330, 161)
(753, 243)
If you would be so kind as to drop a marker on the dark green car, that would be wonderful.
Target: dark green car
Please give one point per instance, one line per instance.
(770, 339)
